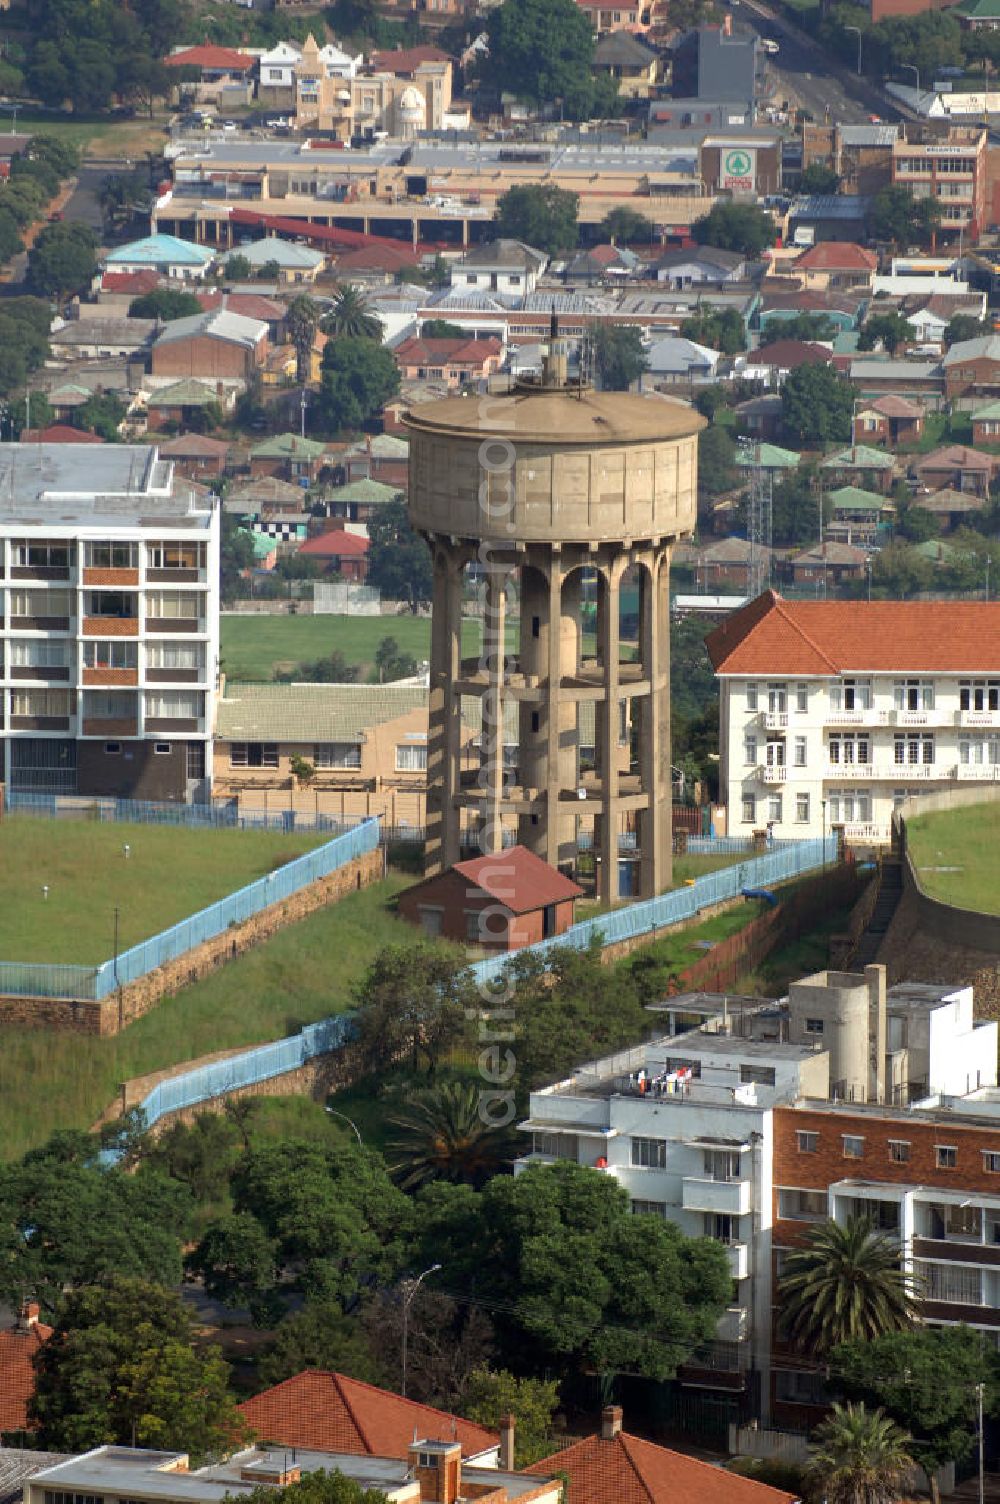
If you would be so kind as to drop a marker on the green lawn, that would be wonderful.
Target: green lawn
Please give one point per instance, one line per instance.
(254, 646)
(955, 856)
(304, 973)
(171, 871)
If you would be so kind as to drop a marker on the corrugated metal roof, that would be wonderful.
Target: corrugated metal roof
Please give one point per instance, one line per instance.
(215, 324)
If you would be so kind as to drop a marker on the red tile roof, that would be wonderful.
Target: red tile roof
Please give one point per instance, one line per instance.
(956, 457)
(774, 636)
(377, 258)
(333, 1413)
(624, 1469)
(895, 407)
(787, 354)
(187, 444)
(518, 879)
(131, 284)
(406, 59)
(208, 56)
(250, 305)
(452, 352)
(336, 544)
(837, 256)
(17, 1376)
(59, 433)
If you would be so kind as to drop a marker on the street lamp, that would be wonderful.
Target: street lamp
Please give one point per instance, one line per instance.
(822, 805)
(335, 1114)
(988, 563)
(912, 68)
(412, 1287)
(858, 30)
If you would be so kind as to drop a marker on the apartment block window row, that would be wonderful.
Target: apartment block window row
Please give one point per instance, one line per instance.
(111, 555)
(109, 705)
(411, 759)
(119, 605)
(174, 705)
(186, 657)
(649, 1208)
(253, 755)
(42, 603)
(43, 555)
(55, 703)
(38, 652)
(649, 1153)
(175, 555)
(802, 1206)
(979, 751)
(979, 694)
(337, 755)
(949, 1282)
(111, 654)
(173, 605)
(910, 751)
(848, 748)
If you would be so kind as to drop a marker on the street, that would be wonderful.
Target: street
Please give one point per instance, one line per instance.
(805, 66)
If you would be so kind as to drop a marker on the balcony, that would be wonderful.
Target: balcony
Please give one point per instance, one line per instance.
(851, 772)
(40, 623)
(110, 577)
(977, 772)
(738, 1255)
(864, 832)
(174, 624)
(968, 1251)
(773, 773)
(178, 676)
(110, 626)
(775, 720)
(44, 673)
(107, 725)
(700, 1194)
(40, 572)
(174, 725)
(175, 576)
(111, 678)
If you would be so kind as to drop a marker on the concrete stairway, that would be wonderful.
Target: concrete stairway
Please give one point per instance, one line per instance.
(889, 893)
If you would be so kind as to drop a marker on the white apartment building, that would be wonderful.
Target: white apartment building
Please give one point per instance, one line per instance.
(832, 713)
(109, 620)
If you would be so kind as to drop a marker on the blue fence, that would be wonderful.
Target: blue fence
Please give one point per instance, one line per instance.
(22, 979)
(221, 816)
(269, 1060)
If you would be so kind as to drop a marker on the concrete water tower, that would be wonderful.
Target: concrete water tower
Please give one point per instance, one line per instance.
(554, 491)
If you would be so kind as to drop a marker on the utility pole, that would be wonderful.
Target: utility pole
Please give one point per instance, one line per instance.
(979, 1400)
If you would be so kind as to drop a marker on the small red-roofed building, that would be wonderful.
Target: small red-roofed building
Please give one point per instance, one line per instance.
(214, 64)
(331, 1412)
(836, 265)
(59, 433)
(784, 355)
(615, 1467)
(841, 709)
(453, 361)
(124, 287)
(196, 456)
(501, 901)
(18, 1346)
(339, 552)
(891, 421)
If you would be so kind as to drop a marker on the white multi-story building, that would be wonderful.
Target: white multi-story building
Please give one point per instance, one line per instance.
(835, 712)
(109, 619)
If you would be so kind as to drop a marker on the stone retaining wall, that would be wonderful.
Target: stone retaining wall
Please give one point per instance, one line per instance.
(106, 1017)
(959, 929)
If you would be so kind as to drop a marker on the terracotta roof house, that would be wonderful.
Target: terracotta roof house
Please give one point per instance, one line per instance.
(951, 507)
(890, 420)
(836, 265)
(617, 1468)
(331, 1412)
(958, 466)
(196, 456)
(786, 355)
(453, 361)
(830, 561)
(122, 287)
(18, 1346)
(375, 263)
(404, 61)
(501, 902)
(724, 563)
(213, 62)
(341, 552)
(249, 305)
(59, 433)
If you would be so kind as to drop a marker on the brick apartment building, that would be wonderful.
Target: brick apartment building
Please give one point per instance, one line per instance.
(952, 169)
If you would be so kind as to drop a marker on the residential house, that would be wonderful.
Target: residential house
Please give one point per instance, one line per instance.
(675, 360)
(761, 416)
(857, 704)
(889, 420)
(339, 552)
(768, 457)
(857, 516)
(218, 69)
(827, 217)
(102, 339)
(502, 901)
(724, 566)
(327, 1411)
(19, 1345)
(972, 369)
(958, 466)
(372, 264)
(183, 404)
(456, 362)
(263, 496)
(276, 73)
(860, 465)
(783, 355)
(978, 15)
(829, 563)
(357, 502)
(249, 305)
(196, 456)
(633, 65)
(878, 376)
(293, 264)
(58, 433)
(119, 289)
(381, 457)
(17, 1465)
(616, 15)
(930, 314)
(603, 264)
(861, 155)
(700, 266)
(220, 345)
(951, 508)
(836, 266)
(986, 424)
(500, 266)
(290, 457)
(112, 629)
(166, 255)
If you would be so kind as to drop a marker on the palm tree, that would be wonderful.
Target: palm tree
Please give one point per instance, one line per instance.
(860, 1457)
(441, 1135)
(302, 321)
(844, 1283)
(351, 317)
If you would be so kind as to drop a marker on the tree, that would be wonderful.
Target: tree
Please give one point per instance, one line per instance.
(62, 259)
(236, 556)
(540, 214)
(302, 321)
(890, 330)
(165, 303)
(493, 1393)
(735, 227)
(717, 328)
(622, 226)
(399, 561)
(391, 663)
(447, 1341)
(351, 317)
(441, 329)
(899, 572)
(103, 414)
(716, 461)
(963, 326)
(819, 178)
(582, 1282)
(926, 1381)
(10, 236)
(412, 1001)
(542, 51)
(442, 1135)
(120, 1368)
(861, 1457)
(358, 378)
(917, 525)
(844, 1282)
(333, 668)
(804, 326)
(237, 268)
(320, 1336)
(317, 1488)
(795, 507)
(237, 1261)
(896, 216)
(619, 357)
(201, 1155)
(817, 405)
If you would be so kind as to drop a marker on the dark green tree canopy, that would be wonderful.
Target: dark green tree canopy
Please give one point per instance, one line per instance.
(624, 225)
(718, 328)
(896, 216)
(817, 405)
(399, 561)
(62, 260)
(819, 178)
(541, 215)
(619, 356)
(542, 50)
(844, 1283)
(358, 378)
(736, 227)
(165, 303)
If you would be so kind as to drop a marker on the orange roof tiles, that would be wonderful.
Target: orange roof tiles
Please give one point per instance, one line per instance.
(334, 1413)
(774, 636)
(624, 1469)
(17, 1376)
(840, 256)
(518, 879)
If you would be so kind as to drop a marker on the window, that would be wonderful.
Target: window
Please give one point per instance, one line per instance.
(762, 1075)
(110, 654)
(799, 749)
(854, 1146)
(722, 1164)
(109, 705)
(991, 1161)
(253, 755)
(806, 1141)
(775, 752)
(749, 809)
(649, 1153)
(814, 1026)
(44, 603)
(910, 750)
(111, 555)
(187, 657)
(112, 749)
(950, 1282)
(774, 809)
(750, 749)
(112, 603)
(172, 605)
(649, 1208)
(945, 1156)
(751, 697)
(337, 755)
(39, 654)
(173, 705)
(802, 1206)
(979, 694)
(722, 1226)
(801, 698)
(161, 749)
(913, 694)
(795, 1387)
(44, 703)
(963, 1221)
(42, 555)
(849, 805)
(777, 698)
(979, 751)
(411, 759)
(802, 809)
(899, 1151)
(851, 694)
(850, 748)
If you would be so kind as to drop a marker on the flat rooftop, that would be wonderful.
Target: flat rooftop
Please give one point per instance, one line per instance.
(91, 484)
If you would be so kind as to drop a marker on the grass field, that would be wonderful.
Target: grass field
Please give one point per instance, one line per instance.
(95, 135)
(304, 973)
(170, 872)
(253, 646)
(955, 856)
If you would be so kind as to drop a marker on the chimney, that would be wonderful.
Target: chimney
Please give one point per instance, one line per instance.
(28, 1318)
(875, 976)
(437, 1467)
(727, 25)
(507, 1443)
(611, 1422)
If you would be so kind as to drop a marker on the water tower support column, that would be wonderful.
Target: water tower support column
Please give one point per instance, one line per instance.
(609, 648)
(444, 717)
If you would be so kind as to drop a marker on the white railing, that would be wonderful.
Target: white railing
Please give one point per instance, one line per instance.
(773, 773)
(775, 720)
(977, 718)
(973, 772)
(851, 770)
